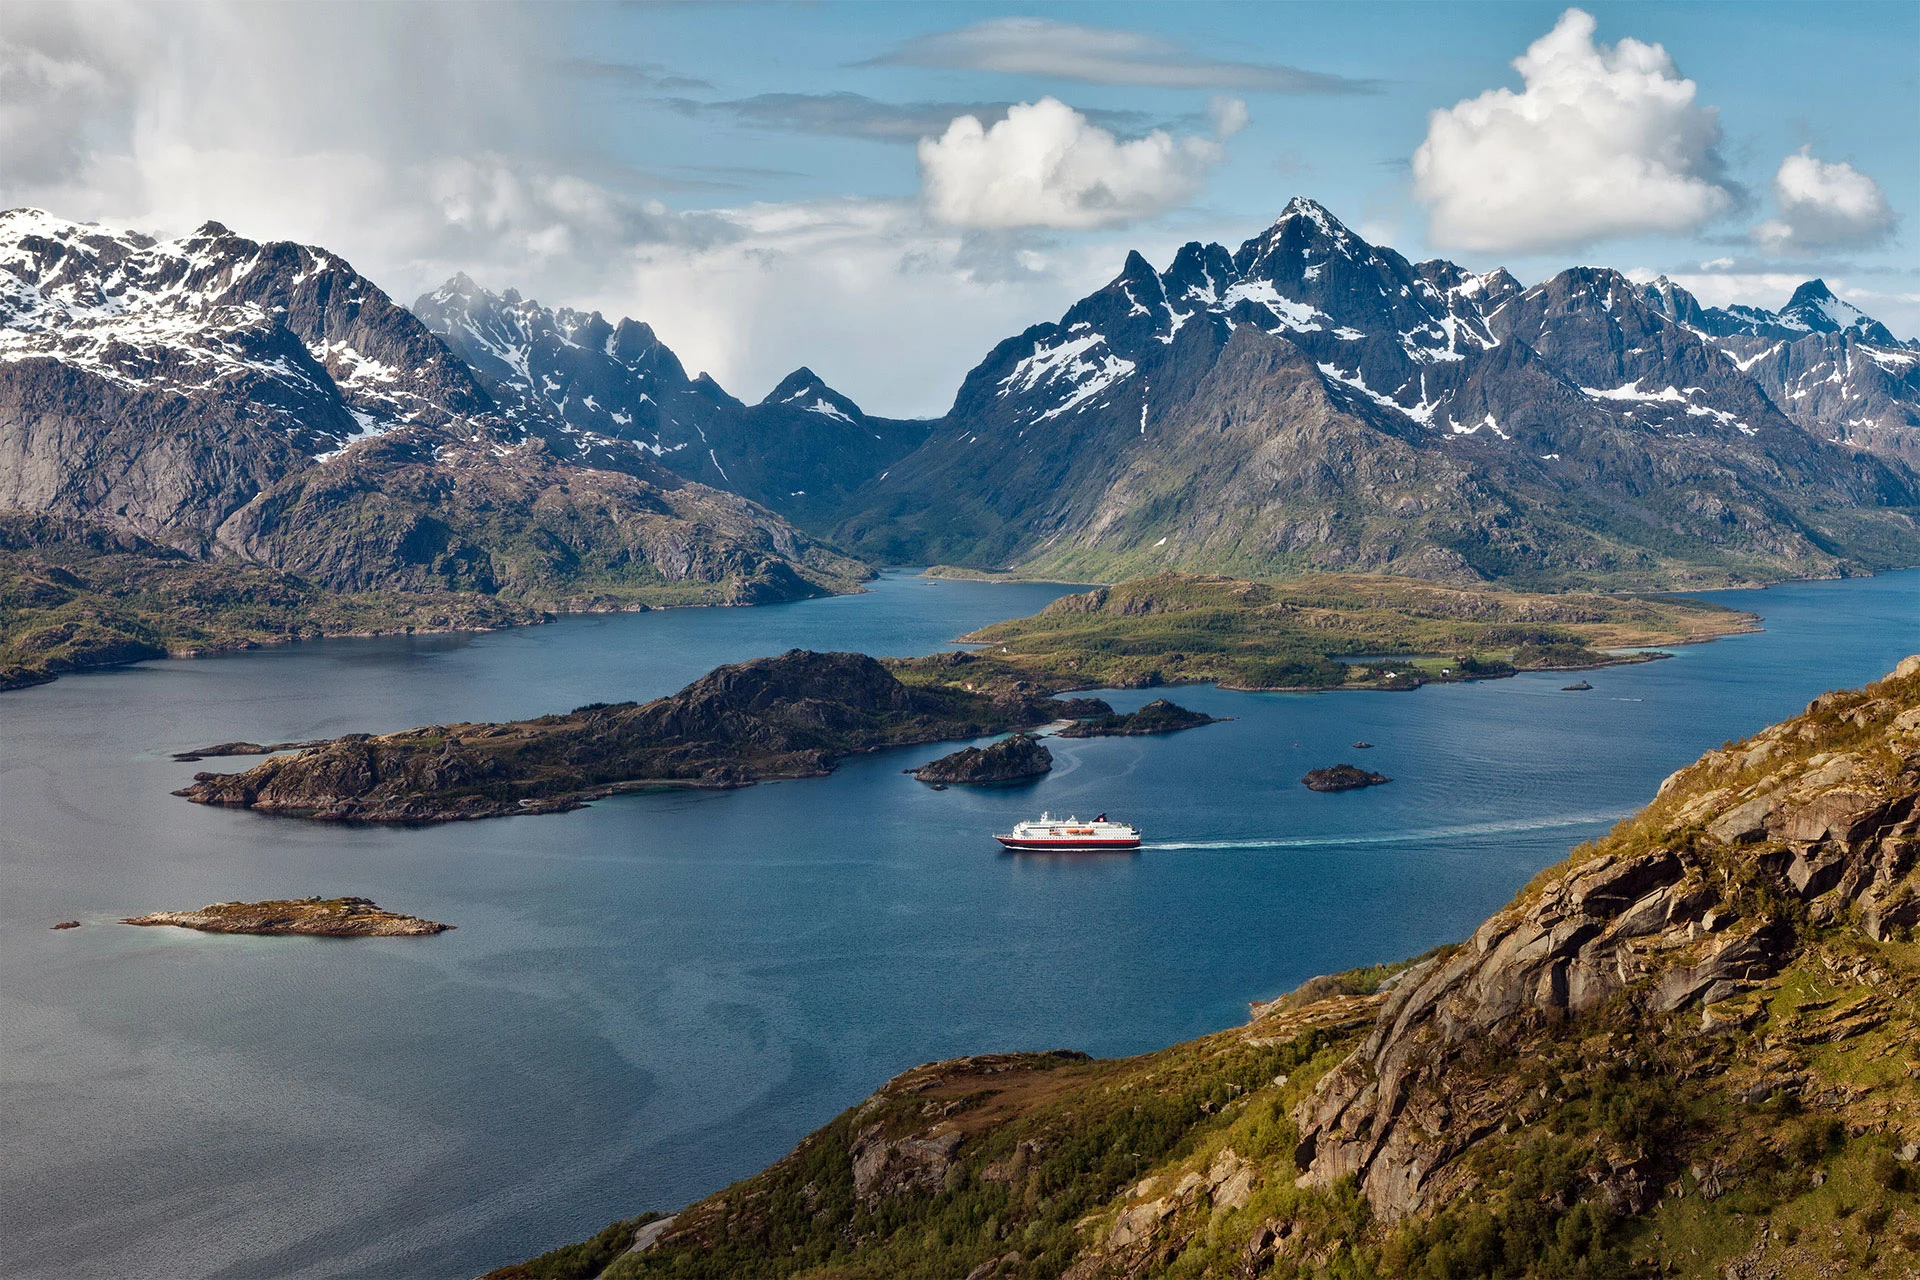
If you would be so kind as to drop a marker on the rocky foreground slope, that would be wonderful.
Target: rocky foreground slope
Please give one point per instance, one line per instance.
(1692, 1048)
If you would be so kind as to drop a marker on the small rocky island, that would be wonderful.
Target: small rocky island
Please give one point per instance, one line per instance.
(1158, 716)
(1014, 759)
(796, 715)
(313, 917)
(1343, 777)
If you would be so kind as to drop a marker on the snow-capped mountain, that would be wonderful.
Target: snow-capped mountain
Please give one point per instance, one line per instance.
(1828, 365)
(1314, 400)
(800, 451)
(232, 397)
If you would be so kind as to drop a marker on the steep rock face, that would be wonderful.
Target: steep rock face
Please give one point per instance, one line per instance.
(227, 397)
(1715, 888)
(1827, 365)
(1513, 446)
(800, 451)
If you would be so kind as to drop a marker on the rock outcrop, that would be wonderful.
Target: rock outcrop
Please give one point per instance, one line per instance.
(1015, 759)
(1342, 777)
(311, 917)
(1685, 909)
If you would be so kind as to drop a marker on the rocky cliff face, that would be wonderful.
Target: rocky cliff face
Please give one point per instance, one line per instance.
(1772, 855)
(1314, 401)
(1830, 367)
(265, 401)
(799, 451)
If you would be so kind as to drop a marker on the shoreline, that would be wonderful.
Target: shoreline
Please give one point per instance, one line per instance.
(545, 617)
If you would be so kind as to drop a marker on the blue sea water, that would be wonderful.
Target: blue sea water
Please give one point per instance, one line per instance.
(652, 996)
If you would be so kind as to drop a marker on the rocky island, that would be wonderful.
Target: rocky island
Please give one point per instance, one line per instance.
(310, 917)
(1016, 759)
(1158, 716)
(1342, 777)
(791, 716)
(1686, 1050)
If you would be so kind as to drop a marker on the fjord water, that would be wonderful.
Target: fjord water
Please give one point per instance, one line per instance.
(649, 997)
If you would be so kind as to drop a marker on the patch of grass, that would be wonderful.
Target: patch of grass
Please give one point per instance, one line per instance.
(1308, 633)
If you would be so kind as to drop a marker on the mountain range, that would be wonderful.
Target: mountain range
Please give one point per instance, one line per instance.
(266, 402)
(1311, 401)
(1308, 401)
(800, 451)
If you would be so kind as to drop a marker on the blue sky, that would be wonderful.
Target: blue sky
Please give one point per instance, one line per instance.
(714, 169)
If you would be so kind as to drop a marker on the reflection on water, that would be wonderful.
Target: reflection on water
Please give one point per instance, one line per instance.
(654, 995)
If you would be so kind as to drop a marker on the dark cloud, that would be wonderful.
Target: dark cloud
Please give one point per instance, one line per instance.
(1101, 55)
(643, 77)
(854, 115)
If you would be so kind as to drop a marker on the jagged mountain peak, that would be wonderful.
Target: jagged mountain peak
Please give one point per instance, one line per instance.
(1818, 309)
(805, 390)
(1813, 291)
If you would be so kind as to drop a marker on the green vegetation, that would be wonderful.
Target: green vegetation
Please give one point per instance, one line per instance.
(84, 598)
(74, 596)
(1325, 632)
(582, 1261)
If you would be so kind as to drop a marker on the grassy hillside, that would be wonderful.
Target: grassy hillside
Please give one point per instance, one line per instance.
(75, 596)
(1181, 628)
(1688, 1050)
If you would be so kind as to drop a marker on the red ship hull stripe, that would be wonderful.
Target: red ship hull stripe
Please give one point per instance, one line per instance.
(1012, 843)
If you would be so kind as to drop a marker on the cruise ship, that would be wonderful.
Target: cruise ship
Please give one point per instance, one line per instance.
(1049, 832)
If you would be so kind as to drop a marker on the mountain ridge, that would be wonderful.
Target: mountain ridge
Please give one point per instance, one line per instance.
(263, 402)
(798, 451)
(1514, 452)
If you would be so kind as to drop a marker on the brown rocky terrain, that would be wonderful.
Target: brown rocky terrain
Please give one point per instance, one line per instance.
(313, 917)
(1342, 777)
(1687, 1050)
(792, 716)
(1013, 759)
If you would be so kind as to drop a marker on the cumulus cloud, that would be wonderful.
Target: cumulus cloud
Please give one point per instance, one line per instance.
(1824, 206)
(1101, 55)
(1047, 165)
(1601, 142)
(399, 155)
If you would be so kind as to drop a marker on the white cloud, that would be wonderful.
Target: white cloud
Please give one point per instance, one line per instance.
(1101, 55)
(1046, 165)
(397, 155)
(1602, 142)
(1824, 206)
